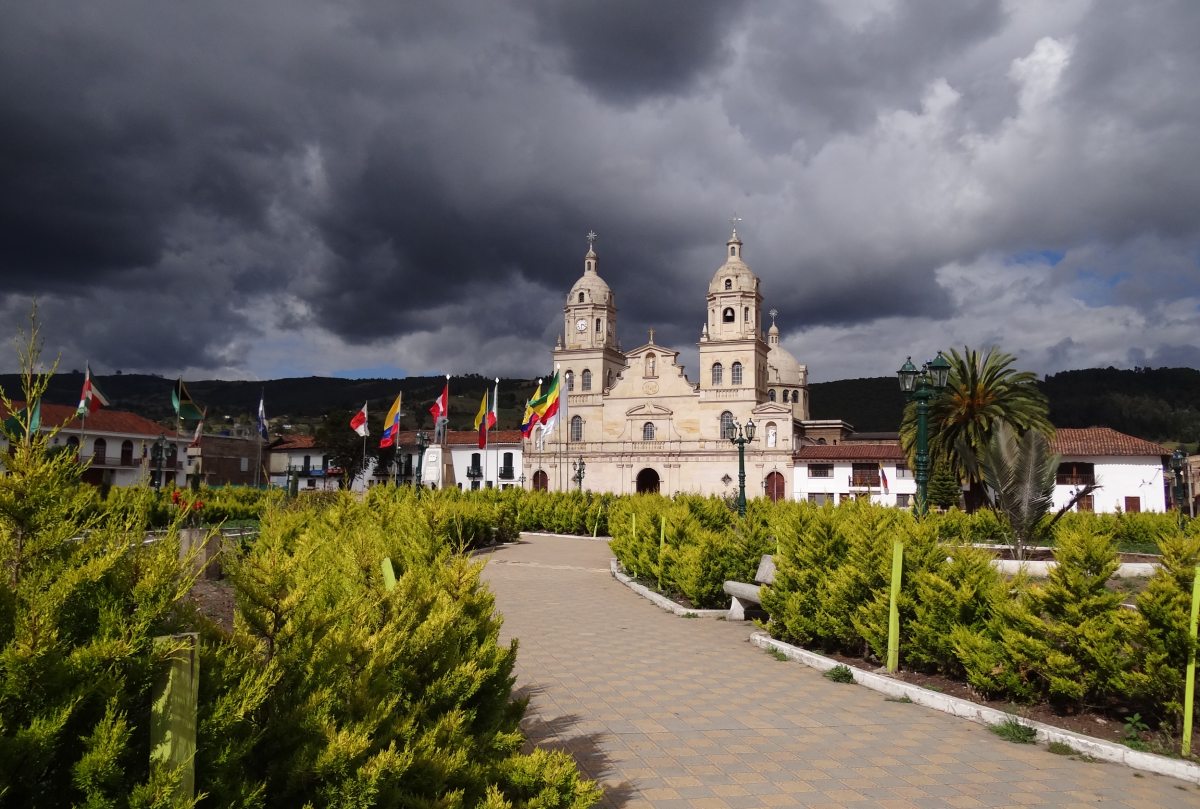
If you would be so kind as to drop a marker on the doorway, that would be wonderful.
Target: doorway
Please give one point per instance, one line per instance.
(647, 482)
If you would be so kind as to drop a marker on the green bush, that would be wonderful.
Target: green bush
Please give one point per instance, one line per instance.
(336, 691)
(1166, 604)
(1068, 640)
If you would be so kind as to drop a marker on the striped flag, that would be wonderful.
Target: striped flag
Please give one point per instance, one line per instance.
(91, 399)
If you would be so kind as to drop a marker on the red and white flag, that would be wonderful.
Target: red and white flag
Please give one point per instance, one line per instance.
(441, 405)
(359, 423)
(91, 399)
(491, 416)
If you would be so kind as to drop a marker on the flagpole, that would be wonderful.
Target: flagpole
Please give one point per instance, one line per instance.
(562, 415)
(364, 466)
(259, 438)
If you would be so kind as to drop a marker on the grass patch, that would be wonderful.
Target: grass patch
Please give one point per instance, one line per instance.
(1011, 730)
(778, 655)
(690, 615)
(840, 674)
(904, 699)
(1061, 749)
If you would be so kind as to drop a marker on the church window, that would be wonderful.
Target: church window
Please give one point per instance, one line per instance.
(651, 365)
(771, 394)
(726, 423)
(746, 314)
(772, 434)
(570, 377)
(732, 251)
(597, 325)
(727, 316)
(581, 297)
(648, 431)
(729, 283)
(585, 379)
(718, 374)
(735, 374)
(576, 428)
(795, 396)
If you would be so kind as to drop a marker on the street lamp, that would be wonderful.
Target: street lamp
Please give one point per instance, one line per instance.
(157, 454)
(1178, 459)
(521, 480)
(578, 465)
(741, 435)
(922, 386)
(422, 443)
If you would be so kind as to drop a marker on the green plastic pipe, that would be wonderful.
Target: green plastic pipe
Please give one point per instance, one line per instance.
(1189, 688)
(893, 651)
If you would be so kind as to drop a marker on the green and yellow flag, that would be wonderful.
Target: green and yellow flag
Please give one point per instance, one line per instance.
(185, 406)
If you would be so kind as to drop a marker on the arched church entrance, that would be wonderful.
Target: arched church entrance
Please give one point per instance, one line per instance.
(541, 481)
(775, 487)
(647, 482)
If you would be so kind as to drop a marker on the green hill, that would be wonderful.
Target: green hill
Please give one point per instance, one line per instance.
(1156, 404)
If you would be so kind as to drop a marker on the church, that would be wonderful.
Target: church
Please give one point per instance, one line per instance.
(635, 422)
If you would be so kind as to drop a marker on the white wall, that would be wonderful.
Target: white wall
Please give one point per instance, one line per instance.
(899, 483)
(1118, 478)
(490, 461)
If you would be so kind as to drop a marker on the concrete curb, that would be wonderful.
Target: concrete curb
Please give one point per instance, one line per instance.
(1125, 570)
(659, 599)
(1096, 748)
(562, 536)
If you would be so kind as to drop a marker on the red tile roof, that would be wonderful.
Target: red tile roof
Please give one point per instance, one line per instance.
(103, 420)
(850, 452)
(1073, 441)
(408, 438)
(289, 442)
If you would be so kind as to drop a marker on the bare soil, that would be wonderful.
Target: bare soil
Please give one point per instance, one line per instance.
(214, 598)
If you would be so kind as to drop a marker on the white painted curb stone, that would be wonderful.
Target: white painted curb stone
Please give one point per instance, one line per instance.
(659, 599)
(1096, 748)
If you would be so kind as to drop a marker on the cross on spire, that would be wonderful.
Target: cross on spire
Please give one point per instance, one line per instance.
(591, 237)
(734, 220)
(774, 313)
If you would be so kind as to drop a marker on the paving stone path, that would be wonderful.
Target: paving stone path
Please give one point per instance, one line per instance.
(672, 712)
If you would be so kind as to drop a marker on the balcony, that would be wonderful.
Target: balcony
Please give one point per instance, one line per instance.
(110, 461)
(1075, 480)
(865, 480)
(506, 473)
(474, 472)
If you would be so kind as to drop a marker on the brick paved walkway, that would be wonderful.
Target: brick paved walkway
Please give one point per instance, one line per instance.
(674, 712)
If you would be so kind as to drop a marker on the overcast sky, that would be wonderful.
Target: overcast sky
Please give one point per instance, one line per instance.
(265, 189)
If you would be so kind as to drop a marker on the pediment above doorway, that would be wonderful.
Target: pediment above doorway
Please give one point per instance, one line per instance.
(649, 410)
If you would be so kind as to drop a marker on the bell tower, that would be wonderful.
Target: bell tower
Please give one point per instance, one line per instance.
(733, 355)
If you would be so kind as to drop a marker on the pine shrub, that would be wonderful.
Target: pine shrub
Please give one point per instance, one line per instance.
(1166, 605)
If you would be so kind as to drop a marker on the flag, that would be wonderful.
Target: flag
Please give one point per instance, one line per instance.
(481, 420)
(529, 419)
(391, 423)
(359, 422)
(883, 478)
(185, 406)
(15, 425)
(550, 410)
(262, 418)
(441, 412)
(492, 417)
(196, 436)
(91, 399)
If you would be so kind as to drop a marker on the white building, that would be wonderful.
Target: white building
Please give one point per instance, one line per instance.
(120, 448)
(1130, 472)
(833, 473)
(459, 462)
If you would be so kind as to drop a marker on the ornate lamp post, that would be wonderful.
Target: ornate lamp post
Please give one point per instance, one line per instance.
(922, 386)
(578, 465)
(1178, 459)
(741, 435)
(422, 443)
(521, 480)
(158, 454)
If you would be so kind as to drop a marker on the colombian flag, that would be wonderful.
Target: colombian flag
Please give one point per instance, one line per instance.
(391, 424)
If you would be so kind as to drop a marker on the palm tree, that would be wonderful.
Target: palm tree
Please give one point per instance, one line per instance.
(982, 391)
(1021, 469)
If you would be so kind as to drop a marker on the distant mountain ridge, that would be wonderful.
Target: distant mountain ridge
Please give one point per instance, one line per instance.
(1158, 404)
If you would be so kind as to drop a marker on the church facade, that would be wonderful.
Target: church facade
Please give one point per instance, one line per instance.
(638, 423)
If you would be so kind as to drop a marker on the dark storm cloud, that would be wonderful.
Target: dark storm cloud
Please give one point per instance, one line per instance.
(628, 50)
(239, 187)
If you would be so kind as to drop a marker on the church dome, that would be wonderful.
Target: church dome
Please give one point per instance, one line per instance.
(784, 364)
(733, 275)
(591, 286)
